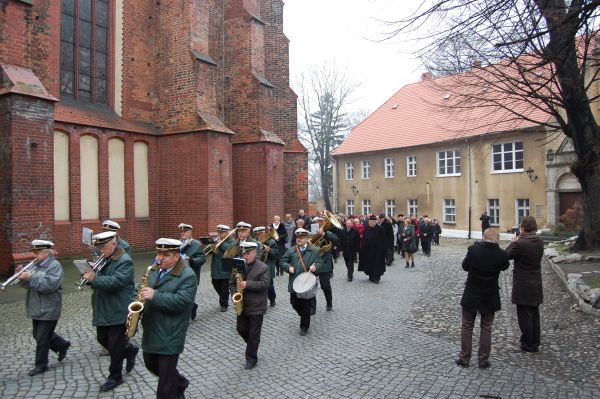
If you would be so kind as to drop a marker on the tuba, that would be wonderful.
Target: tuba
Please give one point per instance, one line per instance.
(320, 241)
(136, 307)
(238, 297)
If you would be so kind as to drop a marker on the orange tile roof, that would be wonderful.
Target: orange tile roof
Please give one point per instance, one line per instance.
(433, 111)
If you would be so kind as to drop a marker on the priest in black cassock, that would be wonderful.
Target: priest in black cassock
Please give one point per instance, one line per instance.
(372, 252)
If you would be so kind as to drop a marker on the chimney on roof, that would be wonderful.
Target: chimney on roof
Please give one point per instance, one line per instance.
(426, 76)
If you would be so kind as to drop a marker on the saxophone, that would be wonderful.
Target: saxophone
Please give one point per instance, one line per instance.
(136, 307)
(238, 297)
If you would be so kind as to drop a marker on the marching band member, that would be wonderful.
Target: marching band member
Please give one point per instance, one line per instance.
(272, 249)
(113, 288)
(298, 259)
(43, 303)
(219, 277)
(194, 252)
(109, 225)
(168, 303)
(249, 322)
(243, 234)
(325, 273)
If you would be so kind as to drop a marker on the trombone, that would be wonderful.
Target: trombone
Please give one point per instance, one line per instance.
(214, 248)
(15, 277)
(98, 265)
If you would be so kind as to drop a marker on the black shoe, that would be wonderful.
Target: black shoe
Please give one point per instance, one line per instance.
(407, 265)
(249, 365)
(303, 331)
(223, 308)
(376, 281)
(461, 363)
(349, 278)
(133, 351)
(329, 307)
(313, 311)
(272, 303)
(194, 309)
(38, 370)
(412, 264)
(63, 352)
(485, 365)
(109, 385)
(182, 388)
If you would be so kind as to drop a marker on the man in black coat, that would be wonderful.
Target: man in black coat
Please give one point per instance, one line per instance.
(372, 251)
(485, 222)
(527, 250)
(282, 233)
(426, 233)
(349, 245)
(388, 231)
(483, 262)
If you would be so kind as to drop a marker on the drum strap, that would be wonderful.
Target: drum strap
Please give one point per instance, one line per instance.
(300, 257)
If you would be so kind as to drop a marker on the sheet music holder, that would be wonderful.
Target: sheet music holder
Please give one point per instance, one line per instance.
(231, 264)
(206, 240)
(82, 265)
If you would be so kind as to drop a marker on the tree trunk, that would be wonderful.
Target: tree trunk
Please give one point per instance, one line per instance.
(588, 174)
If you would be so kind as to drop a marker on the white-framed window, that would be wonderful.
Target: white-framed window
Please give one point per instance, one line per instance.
(449, 211)
(493, 211)
(349, 170)
(521, 209)
(366, 169)
(411, 166)
(366, 206)
(390, 207)
(412, 207)
(507, 157)
(389, 168)
(349, 207)
(448, 163)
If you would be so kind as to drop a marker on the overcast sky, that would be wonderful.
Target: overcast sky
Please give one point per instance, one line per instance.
(345, 32)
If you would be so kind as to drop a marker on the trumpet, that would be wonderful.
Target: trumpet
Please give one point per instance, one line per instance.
(15, 277)
(98, 265)
(214, 248)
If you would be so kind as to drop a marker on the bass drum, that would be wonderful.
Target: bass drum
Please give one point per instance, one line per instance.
(306, 285)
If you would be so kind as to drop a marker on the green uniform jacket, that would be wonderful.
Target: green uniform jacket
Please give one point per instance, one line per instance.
(44, 291)
(195, 254)
(328, 257)
(216, 266)
(272, 256)
(125, 245)
(290, 259)
(113, 289)
(167, 316)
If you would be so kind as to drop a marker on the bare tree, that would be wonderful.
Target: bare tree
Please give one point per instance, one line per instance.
(323, 93)
(535, 60)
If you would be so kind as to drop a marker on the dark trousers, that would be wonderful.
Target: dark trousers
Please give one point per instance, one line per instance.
(485, 336)
(389, 255)
(46, 339)
(325, 283)
(426, 245)
(302, 307)
(349, 257)
(221, 286)
(271, 292)
(436, 239)
(113, 338)
(170, 383)
(529, 323)
(249, 328)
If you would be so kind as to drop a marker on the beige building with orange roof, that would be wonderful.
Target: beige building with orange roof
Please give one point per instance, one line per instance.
(418, 155)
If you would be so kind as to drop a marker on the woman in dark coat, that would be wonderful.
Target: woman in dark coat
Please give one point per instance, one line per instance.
(408, 237)
(372, 252)
(484, 262)
(527, 250)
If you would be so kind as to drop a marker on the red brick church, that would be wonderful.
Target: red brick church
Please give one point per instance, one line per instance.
(146, 112)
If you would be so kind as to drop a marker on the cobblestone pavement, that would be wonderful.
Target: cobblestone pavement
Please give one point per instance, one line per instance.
(397, 339)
